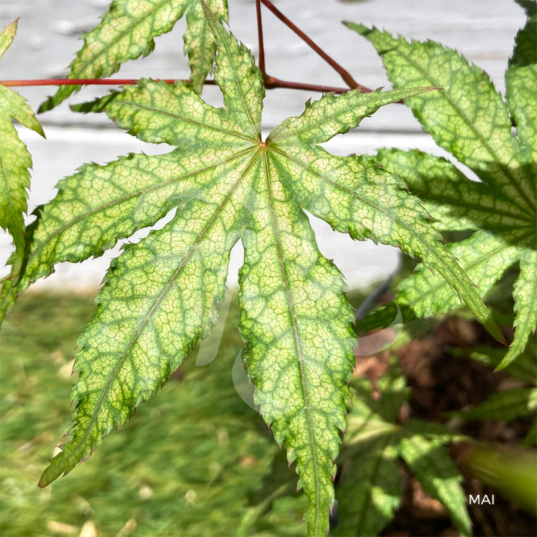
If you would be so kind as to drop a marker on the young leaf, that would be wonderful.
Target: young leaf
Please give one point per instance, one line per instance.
(470, 119)
(15, 162)
(127, 31)
(161, 295)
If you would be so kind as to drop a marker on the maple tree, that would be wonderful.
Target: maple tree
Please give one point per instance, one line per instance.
(226, 183)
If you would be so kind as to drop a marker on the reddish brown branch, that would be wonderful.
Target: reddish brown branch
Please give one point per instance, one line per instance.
(270, 83)
(260, 38)
(273, 83)
(345, 75)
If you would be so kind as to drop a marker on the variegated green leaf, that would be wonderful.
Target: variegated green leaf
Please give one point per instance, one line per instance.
(355, 196)
(7, 36)
(296, 322)
(161, 295)
(525, 295)
(521, 87)
(200, 45)
(470, 119)
(452, 199)
(127, 31)
(332, 115)
(484, 257)
(15, 162)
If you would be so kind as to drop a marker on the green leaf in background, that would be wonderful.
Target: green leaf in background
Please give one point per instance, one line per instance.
(506, 405)
(429, 460)
(370, 488)
(512, 403)
(127, 31)
(15, 162)
(512, 473)
(161, 296)
(524, 368)
(470, 120)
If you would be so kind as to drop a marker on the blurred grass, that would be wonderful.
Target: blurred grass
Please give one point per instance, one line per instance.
(194, 461)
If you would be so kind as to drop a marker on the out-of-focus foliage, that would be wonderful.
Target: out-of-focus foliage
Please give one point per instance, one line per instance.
(511, 403)
(370, 490)
(513, 473)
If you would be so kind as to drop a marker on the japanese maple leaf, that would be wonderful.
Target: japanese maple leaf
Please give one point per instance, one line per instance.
(161, 296)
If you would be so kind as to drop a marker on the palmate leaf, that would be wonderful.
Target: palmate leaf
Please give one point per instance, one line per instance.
(15, 161)
(127, 31)
(162, 295)
(370, 487)
(470, 119)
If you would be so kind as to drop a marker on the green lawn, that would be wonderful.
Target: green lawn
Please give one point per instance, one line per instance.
(194, 461)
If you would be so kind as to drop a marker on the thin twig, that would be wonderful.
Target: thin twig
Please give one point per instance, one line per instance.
(260, 39)
(273, 83)
(345, 75)
(270, 83)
